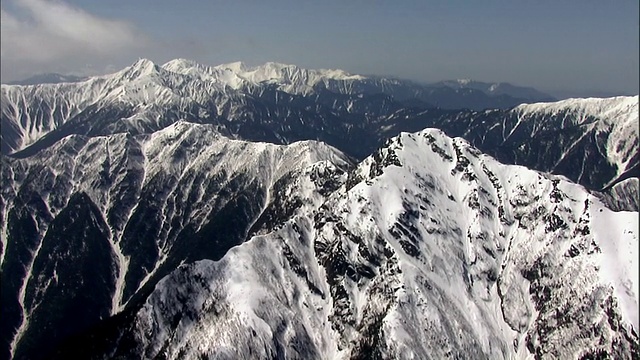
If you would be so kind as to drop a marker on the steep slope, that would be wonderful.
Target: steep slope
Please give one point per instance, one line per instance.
(622, 196)
(299, 81)
(430, 249)
(615, 129)
(95, 222)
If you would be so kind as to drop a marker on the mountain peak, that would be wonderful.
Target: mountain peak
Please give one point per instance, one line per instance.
(235, 67)
(179, 65)
(143, 63)
(140, 68)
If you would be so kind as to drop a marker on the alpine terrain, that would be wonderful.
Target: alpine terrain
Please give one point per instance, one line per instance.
(184, 211)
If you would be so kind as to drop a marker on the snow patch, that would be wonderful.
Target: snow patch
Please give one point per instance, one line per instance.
(617, 234)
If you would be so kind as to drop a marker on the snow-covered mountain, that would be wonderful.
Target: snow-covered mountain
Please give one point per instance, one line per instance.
(92, 223)
(135, 98)
(591, 141)
(464, 258)
(283, 103)
(29, 111)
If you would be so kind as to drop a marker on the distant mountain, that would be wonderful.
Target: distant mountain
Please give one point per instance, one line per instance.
(295, 80)
(48, 78)
(528, 94)
(591, 141)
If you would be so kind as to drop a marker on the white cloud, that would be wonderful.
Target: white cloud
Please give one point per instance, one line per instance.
(43, 35)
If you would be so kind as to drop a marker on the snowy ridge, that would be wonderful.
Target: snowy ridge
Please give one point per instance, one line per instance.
(146, 88)
(38, 109)
(616, 116)
(144, 91)
(289, 78)
(428, 248)
(465, 256)
(294, 78)
(48, 78)
(201, 174)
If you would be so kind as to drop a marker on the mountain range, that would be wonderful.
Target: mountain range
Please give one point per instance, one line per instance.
(283, 103)
(188, 211)
(461, 93)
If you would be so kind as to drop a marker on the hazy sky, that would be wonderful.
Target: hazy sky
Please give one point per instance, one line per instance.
(552, 45)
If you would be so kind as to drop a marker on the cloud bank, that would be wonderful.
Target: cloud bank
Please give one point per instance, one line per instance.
(52, 36)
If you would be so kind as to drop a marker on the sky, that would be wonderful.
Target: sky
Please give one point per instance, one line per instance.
(570, 45)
